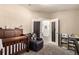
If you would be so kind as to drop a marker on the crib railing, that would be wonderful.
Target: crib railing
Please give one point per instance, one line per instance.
(13, 47)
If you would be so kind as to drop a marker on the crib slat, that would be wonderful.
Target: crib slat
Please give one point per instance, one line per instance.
(18, 47)
(0, 52)
(21, 45)
(9, 50)
(15, 48)
(12, 49)
(5, 50)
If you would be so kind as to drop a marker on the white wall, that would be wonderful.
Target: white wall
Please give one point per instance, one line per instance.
(69, 21)
(43, 15)
(14, 15)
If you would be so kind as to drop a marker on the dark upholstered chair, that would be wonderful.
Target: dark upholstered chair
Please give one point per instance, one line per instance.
(36, 43)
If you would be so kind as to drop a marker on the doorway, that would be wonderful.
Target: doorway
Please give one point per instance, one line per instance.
(36, 28)
(55, 28)
(53, 31)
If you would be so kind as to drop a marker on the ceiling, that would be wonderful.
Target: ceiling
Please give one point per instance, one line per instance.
(51, 7)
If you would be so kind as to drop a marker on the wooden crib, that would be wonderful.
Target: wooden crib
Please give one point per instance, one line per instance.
(14, 45)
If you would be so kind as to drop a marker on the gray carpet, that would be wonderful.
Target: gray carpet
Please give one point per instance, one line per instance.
(50, 49)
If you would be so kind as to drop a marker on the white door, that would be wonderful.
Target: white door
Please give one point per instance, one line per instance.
(45, 30)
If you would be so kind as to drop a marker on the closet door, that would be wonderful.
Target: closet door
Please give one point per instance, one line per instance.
(36, 28)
